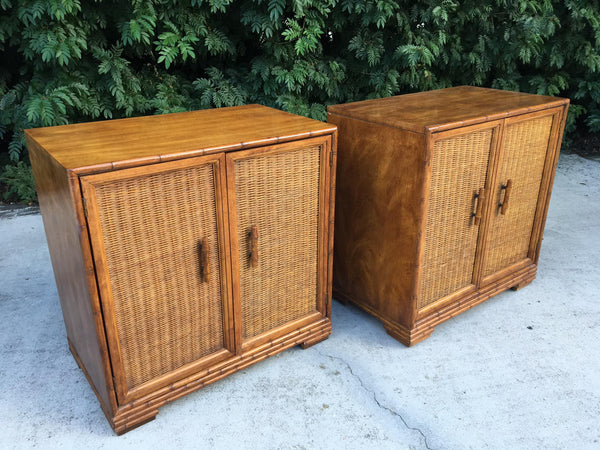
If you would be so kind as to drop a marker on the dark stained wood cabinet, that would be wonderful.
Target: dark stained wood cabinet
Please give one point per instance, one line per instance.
(187, 246)
(441, 200)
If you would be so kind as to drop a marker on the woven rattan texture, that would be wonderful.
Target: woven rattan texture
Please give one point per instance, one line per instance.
(522, 161)
(458, 171)
(152, 226)
(279, 194)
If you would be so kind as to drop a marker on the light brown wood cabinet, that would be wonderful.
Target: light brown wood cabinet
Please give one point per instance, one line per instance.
(441, 200)
(187, 246)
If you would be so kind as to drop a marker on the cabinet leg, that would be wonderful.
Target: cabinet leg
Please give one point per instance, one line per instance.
(122, 426)
(315, 340)
(521, 285)
(406, 336)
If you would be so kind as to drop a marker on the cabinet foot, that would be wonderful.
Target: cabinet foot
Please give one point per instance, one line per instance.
(314, 340)
(406, 336)
(122, 427)
(521, 285)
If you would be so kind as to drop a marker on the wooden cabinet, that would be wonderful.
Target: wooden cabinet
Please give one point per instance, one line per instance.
(187, 246)
(441, 200)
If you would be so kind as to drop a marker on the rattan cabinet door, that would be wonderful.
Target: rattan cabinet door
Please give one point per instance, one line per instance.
(523, 158)
(160, 254)
(459, 170)
(277, 202)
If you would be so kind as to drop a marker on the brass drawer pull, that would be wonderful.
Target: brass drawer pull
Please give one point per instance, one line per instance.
(503, 205)
(479, 199)
(204, 262)
(253, 246)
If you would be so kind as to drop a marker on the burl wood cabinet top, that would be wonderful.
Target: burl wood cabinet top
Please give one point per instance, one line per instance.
(115, 144)
(445, 108)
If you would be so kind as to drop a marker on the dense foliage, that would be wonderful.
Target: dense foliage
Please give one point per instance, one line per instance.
(65, 61)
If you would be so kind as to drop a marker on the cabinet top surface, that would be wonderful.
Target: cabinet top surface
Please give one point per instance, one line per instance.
(445, 108)
(105, 144)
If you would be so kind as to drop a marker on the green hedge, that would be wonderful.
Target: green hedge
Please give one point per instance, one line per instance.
(67, 61)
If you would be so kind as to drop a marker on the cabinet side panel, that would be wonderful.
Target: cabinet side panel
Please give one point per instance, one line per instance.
(380, 176)
(64, 236)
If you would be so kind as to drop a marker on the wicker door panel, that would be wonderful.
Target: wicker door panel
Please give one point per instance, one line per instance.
(522, 161)
(156, 242)
(458, 170)
(277, 194)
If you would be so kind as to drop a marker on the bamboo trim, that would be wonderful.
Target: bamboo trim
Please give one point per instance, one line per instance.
(89, 183)
(280, 330)
(424, 326)
(157, 382)
(130, 415)
(322, 220)
(234, 254)
(499, 116)
(445, 301)
(514, 279)
(146, 161)
(196, 378)
(331, 224)
(519, 265)
(420, 244)
(372, 122)
(86, 247)
(322, 227)
(220, 176)
(97, 247)
(491, 179)
(437, 128)
(475, 147)
(546, 184)
(551, 180)
(511, 236)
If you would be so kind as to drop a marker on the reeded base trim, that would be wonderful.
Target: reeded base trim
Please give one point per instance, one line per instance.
(424, 326)
(142, 410)
(406, 336)
(316, 339)
(521, 285)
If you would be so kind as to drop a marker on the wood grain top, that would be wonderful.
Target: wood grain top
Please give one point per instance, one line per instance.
(114, 144)
(445, 108)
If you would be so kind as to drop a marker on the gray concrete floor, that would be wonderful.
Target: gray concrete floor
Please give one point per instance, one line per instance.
(521, 371)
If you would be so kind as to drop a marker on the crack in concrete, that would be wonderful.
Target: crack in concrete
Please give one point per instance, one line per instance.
(379, 404)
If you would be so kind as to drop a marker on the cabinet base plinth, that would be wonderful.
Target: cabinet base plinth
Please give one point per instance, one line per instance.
(133, 423)
(145, 409)
(521, 285)
(315, 340)
(427, 321)
(406, 336)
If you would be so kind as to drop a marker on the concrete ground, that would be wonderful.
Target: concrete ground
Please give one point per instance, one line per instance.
(521, 371)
